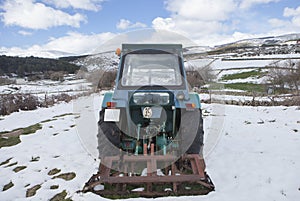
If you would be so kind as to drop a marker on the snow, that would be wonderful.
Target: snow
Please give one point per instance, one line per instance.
(220, 64)
(257, 160)
(43, 87)
(105, 61)
(57, 144)
(252, 153)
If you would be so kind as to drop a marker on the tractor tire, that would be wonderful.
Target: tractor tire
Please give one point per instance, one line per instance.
(192, 132)
(108, 137)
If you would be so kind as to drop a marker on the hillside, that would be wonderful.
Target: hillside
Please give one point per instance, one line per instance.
(23, 66)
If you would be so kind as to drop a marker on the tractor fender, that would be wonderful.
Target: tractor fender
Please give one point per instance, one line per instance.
(193, 98)
(107, 98)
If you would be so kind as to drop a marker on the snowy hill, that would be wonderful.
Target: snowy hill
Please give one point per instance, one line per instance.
(268, 48)
(54, 54)
(268, 40)
(105, 61)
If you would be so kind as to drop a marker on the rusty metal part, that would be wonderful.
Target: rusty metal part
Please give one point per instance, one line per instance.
(184, 177)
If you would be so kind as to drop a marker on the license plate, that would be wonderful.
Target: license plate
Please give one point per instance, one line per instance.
(112, 115)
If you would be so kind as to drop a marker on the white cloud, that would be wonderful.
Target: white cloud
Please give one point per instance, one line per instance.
(27, 14)
(93, 5)
(73, 43)
(205, 10)
(274, 22)
(78, 43)
(126, 24)
(216, 22)
(291, 22)
(197, 19)
(245, 4)
(163, 23)
(25, 33)
(291, 12)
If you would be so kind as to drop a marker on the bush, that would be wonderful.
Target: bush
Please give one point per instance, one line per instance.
(10, 103)
(6, 81)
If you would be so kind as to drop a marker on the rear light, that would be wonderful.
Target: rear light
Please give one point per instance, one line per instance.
(111, 104)
(190, 106)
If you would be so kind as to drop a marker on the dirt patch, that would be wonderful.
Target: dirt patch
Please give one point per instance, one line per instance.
(19, 168)
(9, 141)
(66, 176)
(61, 197)
(15, 133)
(8, 186)
(5, 162)
(35, 159)
(12, 164)
(54, 187)
(32, 191)
(53, 171)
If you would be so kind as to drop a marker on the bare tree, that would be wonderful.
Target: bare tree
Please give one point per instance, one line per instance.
(94, 77)
(286, 76)
(198, 76)
(102, 79)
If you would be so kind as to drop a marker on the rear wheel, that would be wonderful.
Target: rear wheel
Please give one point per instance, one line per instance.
(192, 132)
(108, 137)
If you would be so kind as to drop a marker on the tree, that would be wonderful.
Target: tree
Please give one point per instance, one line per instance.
(198, 76)
(286, 75)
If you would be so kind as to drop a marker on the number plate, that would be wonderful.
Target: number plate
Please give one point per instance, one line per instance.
(151, 112)
(112, 115)
(147, 112)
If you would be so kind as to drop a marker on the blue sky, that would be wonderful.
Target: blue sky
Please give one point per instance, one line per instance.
(80, 26)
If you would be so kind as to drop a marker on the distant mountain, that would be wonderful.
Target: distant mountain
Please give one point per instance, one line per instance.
(285, 44)
(270, 40)
(54, 54)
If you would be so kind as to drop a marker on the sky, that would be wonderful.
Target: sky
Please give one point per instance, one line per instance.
(76, 27)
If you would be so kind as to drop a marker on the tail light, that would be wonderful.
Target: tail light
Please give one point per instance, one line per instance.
(190, 106)
(111, 104)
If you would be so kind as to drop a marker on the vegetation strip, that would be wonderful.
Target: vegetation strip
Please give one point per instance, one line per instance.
(63, 115)
(11, 138)
(246, 87)
(243, 75)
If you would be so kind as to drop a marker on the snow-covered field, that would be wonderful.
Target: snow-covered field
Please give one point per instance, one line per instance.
(252, 153)
(43, 87)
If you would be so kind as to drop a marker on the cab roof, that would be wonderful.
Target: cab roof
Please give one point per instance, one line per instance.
(172, 48)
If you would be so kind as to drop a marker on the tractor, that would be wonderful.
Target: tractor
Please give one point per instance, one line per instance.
(150, 129)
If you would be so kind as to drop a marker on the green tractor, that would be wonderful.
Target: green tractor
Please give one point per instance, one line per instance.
(150, 128)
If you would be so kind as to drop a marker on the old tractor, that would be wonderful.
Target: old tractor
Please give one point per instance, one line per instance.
(150, 135)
